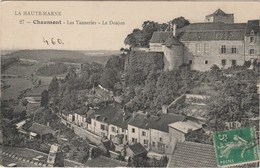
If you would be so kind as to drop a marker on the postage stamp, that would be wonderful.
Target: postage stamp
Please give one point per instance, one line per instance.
(236, 147)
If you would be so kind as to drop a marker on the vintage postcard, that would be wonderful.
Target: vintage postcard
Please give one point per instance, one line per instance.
(130, 84)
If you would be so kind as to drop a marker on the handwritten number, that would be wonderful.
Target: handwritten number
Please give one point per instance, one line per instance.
(60, 41)
(45, 41)
(52, 41)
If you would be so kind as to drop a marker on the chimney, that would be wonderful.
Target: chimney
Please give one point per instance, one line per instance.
(134, 114)
(174, 29)
(147, 115)
(124, 116)
(164, 109)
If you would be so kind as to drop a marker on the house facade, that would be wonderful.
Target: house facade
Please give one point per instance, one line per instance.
(118, 132)
(138, 129)
(99, 126)
(218, 41)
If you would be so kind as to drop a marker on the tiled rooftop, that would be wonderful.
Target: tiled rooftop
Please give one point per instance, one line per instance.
(190, 154)
(102, 161)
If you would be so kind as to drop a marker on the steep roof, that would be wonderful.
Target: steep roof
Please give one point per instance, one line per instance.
(185, 126)
(190, 154)
(108, 145)
(81, 111)
(253, 25)
(219, 12)
(107, 113)
(160, 37)
(205, 32)
(212, 35)
(120, 121)
(41, 129)
(102, 161)
(137, 149)
(161, 123)
(142, 120)
(29, 154)
(213, 26)
(172, 41)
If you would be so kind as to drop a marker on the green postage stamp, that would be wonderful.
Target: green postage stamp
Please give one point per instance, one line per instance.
(235, 147)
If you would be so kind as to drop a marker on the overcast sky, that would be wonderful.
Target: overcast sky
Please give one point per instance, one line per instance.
(106, 37)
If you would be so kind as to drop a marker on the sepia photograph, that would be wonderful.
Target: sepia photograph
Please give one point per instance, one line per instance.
(130, 84)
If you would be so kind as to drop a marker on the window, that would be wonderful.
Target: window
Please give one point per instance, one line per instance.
(133, 130)
(233, 50)
(145, 142)
(153, 144)
(252, 32)
(134, 140)
(198, 48)
(206, 48)
(190, 61)
(223, 62)
(143, 133)
(102, 127)
(252, 51)
(113, 129)
(161, 139)
(206, 61)
(112, 137)
(161, 146)
(123, 130)
(252, 39)
(223, 49)
(234, 62)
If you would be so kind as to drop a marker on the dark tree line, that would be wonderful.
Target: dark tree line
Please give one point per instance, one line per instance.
(141, 37)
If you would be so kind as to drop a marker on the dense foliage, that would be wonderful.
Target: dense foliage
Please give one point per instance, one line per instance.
(52, 69)
(236, 98)
(159, 88)
(141, 37)
(7, 61)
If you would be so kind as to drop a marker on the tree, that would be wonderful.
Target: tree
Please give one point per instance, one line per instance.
(180, 22)
(236, 99)
(44, 98)
(109, 78)
(141, 37)
(94, 79)
(54, 86)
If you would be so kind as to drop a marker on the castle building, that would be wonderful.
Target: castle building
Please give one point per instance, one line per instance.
(218, 41)
(220, 16)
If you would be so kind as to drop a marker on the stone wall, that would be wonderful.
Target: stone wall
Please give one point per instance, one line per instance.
(146, 61)
(177, 101)
(155, 138)
(83, 133)
(225, 19)
(204, 60)
(173, 57)
(253, 45)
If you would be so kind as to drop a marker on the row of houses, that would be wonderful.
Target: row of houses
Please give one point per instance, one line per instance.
(154, 132)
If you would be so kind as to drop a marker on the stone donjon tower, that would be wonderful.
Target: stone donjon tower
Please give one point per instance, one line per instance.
(220, 16)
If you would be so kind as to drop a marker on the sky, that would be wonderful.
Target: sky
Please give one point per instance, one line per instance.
(101, 36)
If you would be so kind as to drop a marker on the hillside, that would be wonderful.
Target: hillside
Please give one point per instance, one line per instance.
(146, 61)
(63, 55)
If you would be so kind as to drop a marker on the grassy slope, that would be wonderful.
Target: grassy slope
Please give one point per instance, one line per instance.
(76, 56)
